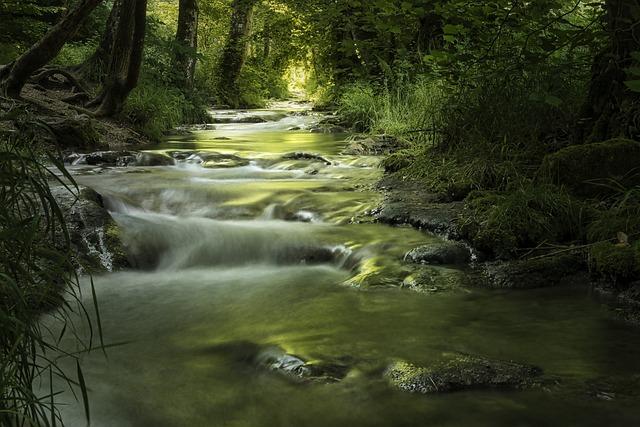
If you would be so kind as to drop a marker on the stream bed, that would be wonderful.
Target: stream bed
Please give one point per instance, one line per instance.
(259, 239)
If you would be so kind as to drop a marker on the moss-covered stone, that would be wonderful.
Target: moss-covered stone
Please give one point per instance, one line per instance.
(582, 167)
(398, 161)
(113, 241)
(615, 264)
(461, 372)
(533, 273)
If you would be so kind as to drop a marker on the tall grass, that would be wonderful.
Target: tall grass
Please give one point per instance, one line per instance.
(37, 275)
(403, 109)
(154, 108)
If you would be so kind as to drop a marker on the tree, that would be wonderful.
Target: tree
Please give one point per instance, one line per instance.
(125, 59)
(94, 67)
(235, 51)
(612, 108)
(14, 76)
(187, 43)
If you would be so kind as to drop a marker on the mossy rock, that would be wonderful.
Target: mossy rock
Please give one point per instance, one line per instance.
(113, 241)
(533, 273)
(585, 168)
(398, 161)
(456, 372)
(614, 264)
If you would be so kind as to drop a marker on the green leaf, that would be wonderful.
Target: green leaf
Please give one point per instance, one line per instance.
(634, 85)
(553, 100)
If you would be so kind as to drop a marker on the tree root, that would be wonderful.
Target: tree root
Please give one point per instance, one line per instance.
(47, 73)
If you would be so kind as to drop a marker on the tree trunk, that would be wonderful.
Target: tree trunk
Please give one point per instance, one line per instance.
(612, 109)
(235, 51)
(14, 75)
(125, 59)
(94, 68)
(187, 39)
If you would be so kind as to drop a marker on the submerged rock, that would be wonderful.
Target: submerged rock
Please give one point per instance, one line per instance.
(153, 159)
(274, 359)
(534, 273)
(440, 253)
(432, 280)
(277, 360)
(306, 156)
(456, 372)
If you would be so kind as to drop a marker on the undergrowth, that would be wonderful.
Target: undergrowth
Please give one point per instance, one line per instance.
(37, 275)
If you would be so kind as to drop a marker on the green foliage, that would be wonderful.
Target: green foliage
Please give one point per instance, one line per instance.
(153, 108)
(620, 213)
(501, 224)
(615, 264)
(37, 274)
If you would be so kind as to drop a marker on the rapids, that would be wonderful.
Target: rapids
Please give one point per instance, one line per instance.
(240, 243)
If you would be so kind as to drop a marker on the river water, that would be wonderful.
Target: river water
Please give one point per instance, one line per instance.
(239, 246)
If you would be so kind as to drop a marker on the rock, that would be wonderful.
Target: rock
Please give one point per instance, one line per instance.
(274, 359)
(581, 168)
(327, 129)
(624, 304)
(293, 367)
(456, 372)
(432, 280)
(407, 202)
(376, 145)
(534, 273)
(110, 158)
(294, 128)
(306, 156)
(93, 233)
(146, 158)
(217, 160)
(439, 253)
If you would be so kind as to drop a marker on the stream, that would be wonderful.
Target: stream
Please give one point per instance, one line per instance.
(244, 248)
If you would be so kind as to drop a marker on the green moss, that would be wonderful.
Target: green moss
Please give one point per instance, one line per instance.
(591, 170)
(501, 223)
(398, 161)
(614, 263)
(113, 241)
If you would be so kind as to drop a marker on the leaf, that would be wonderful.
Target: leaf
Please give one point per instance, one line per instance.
(633, 85)
(85, 396)
(553, 100)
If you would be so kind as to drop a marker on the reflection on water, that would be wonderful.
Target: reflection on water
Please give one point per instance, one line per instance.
(264, 253)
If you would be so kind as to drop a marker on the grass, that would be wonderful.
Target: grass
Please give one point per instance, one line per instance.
(154, 108)
(37, 275)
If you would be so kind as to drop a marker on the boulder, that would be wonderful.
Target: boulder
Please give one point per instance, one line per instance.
(456, 372)
(439, 253)
(586, 169)
(375, 145)
(153, 159)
